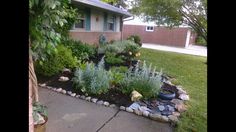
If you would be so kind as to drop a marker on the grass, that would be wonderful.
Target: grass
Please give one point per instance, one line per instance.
(190, 72)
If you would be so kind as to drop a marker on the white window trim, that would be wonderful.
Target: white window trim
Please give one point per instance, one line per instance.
(149, 30)
(110, 22)
(81, 18)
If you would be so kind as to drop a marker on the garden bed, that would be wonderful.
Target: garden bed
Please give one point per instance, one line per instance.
(113, 95)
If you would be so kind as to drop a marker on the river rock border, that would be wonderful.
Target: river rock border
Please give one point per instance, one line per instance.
(173, 118)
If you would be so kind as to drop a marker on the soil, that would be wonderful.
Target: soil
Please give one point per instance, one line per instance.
(113, 96)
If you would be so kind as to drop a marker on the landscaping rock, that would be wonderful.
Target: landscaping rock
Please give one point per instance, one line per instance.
(177, 101)
(143, 108)
(59, 90)
(82, 97)
(180, 90)
(184, 97)
(161, 107)
(164, 119)
(100, 102)
(88, 98)
(112, 106)
(63, 91)
(177, 114)
(146, 113)
(142, 104)
(135, 96)
(94, 100)
(49, 87)
(122, 108)
(181, 108)
(63, 79)
(69, 92)
(77, 96)
(156, 117)
(73, 94)
(129, 109)
(134, 106)
(66, 70)
(54, 89)
(106, 103)
(173, 118)
(166, 112)
(42, 85)
(138, 112)
(170, 108)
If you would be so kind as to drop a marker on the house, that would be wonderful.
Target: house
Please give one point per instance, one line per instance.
(96, 18)
(160, 35)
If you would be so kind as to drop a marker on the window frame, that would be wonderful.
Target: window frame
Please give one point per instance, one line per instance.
(148, 28)
(80, 18)
(111, 20)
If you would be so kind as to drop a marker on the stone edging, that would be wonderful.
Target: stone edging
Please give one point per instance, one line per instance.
(173, 119)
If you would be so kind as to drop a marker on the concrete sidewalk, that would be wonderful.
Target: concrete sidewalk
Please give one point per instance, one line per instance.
(68, 114)
(191, 50)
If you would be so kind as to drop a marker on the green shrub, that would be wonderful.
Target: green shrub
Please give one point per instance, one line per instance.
(56, 62)
(93, 79)
(136, 39)
(127, 48)
(142, 80)
(201, 41)
(112, 59)
(81, 50)
(118, 74)
(121, 69)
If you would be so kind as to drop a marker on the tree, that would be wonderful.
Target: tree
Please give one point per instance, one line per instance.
(117, 2)
(174, 13)
(49, 21)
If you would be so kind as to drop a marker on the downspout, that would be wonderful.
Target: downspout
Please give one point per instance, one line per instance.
(132, 18)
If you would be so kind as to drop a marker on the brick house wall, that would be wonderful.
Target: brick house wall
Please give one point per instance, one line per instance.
(171, 37)
(93, 37)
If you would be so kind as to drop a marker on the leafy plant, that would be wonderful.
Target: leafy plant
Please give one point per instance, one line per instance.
(112, 59)
(50, 21)
(39, 109)
(125, 50)
(118, 74)
(56, 62)
(136, 39)
(142, 80)
(81, 50)
(93, 79)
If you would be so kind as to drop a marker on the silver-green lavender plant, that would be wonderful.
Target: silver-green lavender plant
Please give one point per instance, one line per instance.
(93, 79)
(142, 79)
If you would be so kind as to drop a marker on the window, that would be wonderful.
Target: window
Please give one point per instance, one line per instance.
(149, 28)
(80, 22)
(110, 23)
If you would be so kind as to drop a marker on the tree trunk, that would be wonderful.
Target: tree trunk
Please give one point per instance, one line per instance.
(33, 91)
(33, 80)
(31, 120)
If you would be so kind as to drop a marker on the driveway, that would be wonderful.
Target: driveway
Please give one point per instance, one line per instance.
(69, 114)
(191, 50)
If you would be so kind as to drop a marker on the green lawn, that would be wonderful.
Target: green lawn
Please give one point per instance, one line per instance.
(190, 72)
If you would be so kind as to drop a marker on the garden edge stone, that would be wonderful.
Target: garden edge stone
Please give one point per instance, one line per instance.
(123, 108)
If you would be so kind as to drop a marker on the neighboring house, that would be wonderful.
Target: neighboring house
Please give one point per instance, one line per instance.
(150, 33)
(96, 18)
